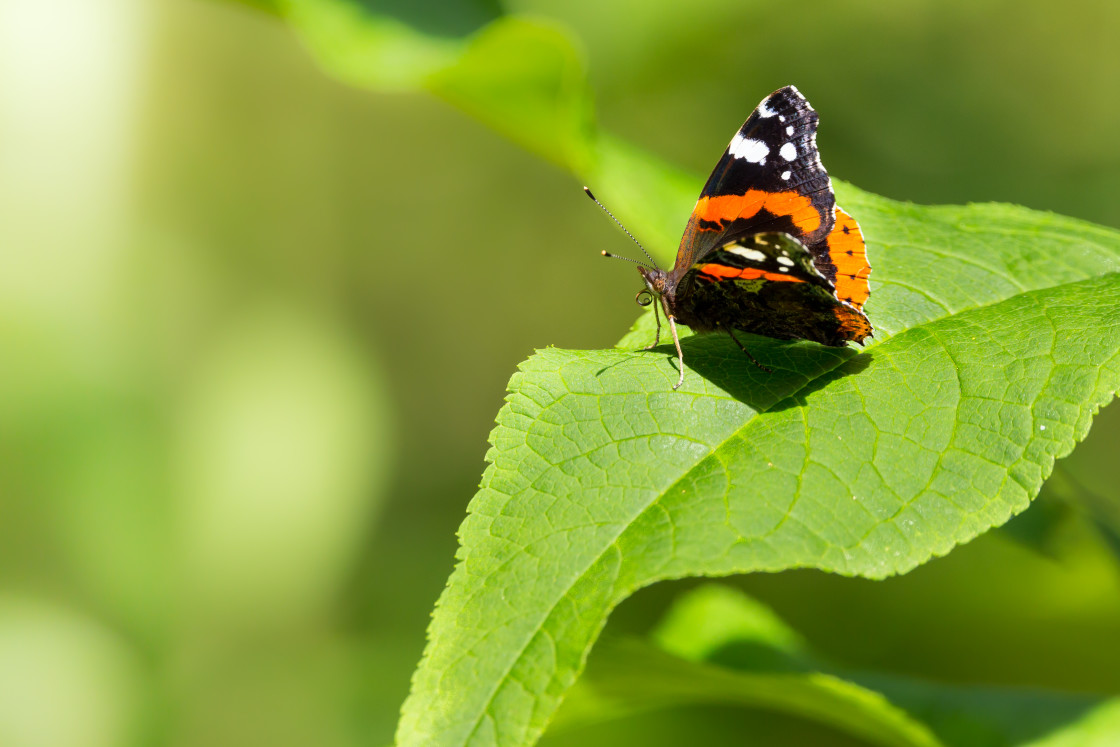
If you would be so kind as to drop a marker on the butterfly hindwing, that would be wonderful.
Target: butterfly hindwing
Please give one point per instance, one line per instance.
(770, 178)
(842, 258)
(768, 284)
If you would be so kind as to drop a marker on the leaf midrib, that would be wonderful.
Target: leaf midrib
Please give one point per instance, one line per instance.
(624, 526)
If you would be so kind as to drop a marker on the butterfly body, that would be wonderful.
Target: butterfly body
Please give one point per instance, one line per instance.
(766, 250)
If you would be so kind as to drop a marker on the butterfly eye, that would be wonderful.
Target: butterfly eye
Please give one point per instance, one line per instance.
(644, 297)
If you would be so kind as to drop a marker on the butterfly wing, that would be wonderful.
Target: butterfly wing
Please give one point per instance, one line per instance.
(770, 178)
(842, 258)
(768, 284)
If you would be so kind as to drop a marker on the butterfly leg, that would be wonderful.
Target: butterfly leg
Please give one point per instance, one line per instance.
(680, 355)
(744, 349)
(657, 337)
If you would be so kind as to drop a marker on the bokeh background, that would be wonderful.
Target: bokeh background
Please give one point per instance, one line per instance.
(255, 326)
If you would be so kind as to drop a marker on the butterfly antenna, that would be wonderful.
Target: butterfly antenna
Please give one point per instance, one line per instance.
(616, 220)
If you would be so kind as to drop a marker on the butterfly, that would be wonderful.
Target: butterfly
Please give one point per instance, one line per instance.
(766, 250)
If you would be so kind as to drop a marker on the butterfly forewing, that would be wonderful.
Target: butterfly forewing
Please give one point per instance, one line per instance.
(770, 178)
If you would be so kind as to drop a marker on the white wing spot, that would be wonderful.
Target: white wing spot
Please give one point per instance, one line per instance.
(752, 150)
(788, 152)
(764, 109)
(786, 175)
(752, 254)
(781, 118)
(785, 261)
(789, 130)
(784, 269)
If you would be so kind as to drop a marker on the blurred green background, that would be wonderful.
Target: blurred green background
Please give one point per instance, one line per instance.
(255, 326)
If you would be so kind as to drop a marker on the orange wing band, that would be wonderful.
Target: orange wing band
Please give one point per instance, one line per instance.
(729, 207)
(848, 253)
(746, 273)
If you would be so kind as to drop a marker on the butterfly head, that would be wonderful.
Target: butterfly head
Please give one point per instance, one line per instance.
(656, 286)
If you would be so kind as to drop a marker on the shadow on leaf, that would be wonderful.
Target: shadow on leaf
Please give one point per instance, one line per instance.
(797, 368)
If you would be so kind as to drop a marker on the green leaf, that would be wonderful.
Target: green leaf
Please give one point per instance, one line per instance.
(630, 676)
(377, 51)
(524, 77)
(999, 332)
(526, 80)
(718, 646)
(707, 620)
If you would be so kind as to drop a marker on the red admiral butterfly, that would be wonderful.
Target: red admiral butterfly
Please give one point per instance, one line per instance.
(766, 250)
